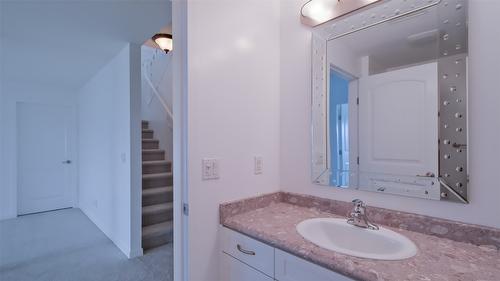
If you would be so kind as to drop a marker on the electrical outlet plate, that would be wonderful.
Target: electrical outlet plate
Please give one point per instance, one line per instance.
(258, 165)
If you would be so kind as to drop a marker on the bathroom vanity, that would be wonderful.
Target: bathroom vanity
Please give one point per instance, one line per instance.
(246, 259)
(388, 115)
(259, 241)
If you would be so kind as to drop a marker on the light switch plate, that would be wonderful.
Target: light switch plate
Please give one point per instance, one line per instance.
(215, 169)
(206, 169)
(258, 165)
(210, 169)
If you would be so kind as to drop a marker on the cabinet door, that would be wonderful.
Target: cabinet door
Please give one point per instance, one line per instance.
(232, 269)
(292, 268)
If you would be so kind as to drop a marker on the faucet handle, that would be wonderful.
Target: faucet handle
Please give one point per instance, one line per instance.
(358, 203)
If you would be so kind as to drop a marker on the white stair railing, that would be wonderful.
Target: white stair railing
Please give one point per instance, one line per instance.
(148, 70)
(159, 97)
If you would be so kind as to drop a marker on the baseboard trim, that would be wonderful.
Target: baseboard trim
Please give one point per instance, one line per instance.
(136, 253)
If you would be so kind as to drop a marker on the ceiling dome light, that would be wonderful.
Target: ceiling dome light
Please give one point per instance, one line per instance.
(164, 41)
(316, 12)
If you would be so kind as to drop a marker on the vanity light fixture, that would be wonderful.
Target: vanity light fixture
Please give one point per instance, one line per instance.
(164, 41)
(316, 12)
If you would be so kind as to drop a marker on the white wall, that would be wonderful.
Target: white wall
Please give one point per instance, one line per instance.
(233, 113)
(3, 212)
(345, 59)
(158, 67)
(484, 130)
(107, 105)
(12, 93)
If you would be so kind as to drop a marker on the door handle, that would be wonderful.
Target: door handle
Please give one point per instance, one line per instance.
(66, 162)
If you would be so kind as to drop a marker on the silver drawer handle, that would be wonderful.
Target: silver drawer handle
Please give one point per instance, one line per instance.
(246, 252)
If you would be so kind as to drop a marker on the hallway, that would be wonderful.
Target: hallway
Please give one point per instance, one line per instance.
(65, 245)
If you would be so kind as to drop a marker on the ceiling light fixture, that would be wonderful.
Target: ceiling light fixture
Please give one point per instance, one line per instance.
(164, 41)
(316, 12)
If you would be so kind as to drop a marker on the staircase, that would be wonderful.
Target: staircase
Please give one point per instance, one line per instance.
(157, 193)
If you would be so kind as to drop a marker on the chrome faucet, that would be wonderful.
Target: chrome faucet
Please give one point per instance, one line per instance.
(358, 216)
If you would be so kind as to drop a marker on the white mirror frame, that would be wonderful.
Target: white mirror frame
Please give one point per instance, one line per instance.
(452, 71)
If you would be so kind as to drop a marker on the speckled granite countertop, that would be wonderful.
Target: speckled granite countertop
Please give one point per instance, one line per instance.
(272, 219)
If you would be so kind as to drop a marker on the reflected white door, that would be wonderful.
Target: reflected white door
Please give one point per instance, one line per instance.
(398, 127)
(46, 172)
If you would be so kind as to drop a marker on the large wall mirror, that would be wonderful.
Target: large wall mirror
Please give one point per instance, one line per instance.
(389, 99)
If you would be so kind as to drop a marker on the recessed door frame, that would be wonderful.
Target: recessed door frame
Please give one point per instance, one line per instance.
(71, 146)
(180, 144)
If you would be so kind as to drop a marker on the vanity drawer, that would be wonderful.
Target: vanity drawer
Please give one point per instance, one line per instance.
(250, 251)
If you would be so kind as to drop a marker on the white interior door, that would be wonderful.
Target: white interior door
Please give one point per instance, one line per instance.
(46, 173)
(398, 127)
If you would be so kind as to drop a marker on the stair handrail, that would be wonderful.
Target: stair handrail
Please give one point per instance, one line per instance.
(158, 96)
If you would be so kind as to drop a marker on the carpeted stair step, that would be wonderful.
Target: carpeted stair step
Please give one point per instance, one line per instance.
(157, 180)
(157, 195)
(158, 213)
(150, 144)
(147, 134)
(153, 154)
(157, 192)
(160, 166)
(157, 234)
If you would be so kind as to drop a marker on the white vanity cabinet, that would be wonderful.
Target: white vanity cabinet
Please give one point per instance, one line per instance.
(291, 268)
(235, 270)
(245, 259)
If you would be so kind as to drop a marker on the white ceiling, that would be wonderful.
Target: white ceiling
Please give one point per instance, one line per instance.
(64, 43)
(404, 41)
(389, 44)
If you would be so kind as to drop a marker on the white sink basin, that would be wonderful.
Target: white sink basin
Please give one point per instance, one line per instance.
(339, 236)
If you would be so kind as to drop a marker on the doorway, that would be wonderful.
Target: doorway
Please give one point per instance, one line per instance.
(46, 173)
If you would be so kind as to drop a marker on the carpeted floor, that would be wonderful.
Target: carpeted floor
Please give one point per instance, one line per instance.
(65, 245)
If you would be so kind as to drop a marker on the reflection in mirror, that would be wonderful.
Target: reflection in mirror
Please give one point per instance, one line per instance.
(339, 127)
(389, 119)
